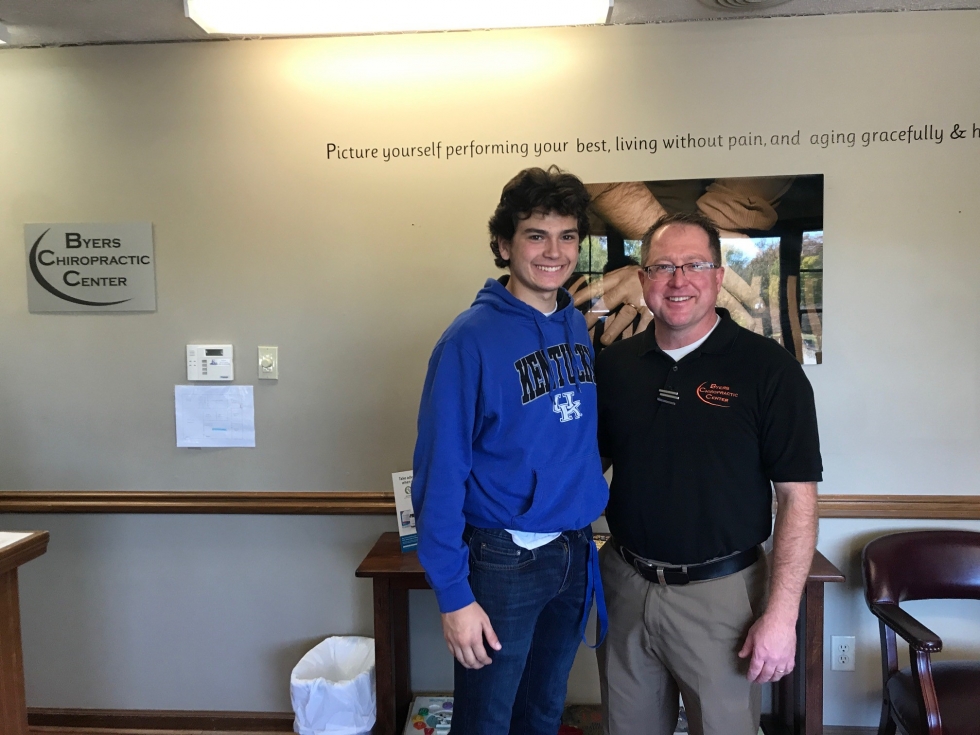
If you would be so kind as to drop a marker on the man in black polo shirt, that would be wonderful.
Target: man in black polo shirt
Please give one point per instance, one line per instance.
(701, 419)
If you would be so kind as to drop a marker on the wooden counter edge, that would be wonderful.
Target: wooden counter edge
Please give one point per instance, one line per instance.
(21, 552)
(823, 570)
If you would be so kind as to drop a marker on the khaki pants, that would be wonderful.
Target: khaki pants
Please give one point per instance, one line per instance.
(665, 640)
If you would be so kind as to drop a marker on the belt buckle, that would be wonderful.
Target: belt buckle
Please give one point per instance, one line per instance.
(662, 573)
(641, 565)
(682, 571)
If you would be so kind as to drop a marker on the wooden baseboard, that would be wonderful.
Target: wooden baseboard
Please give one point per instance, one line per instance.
(158, 722)
(945, 507)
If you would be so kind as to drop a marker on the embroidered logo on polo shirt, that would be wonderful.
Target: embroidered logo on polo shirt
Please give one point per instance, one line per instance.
(716, 395)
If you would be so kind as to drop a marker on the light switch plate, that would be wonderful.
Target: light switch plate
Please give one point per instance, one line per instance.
(268, 364)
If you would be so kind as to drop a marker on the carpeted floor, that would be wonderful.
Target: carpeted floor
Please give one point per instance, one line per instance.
(587, 718)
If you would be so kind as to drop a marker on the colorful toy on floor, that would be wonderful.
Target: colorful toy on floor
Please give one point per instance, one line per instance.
(430, 716)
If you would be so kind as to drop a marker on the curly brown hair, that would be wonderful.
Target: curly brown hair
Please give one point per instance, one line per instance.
(537, 190)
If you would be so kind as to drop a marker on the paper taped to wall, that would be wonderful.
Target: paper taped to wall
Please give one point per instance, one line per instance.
(215, 416)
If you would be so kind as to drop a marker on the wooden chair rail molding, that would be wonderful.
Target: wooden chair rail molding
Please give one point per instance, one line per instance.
(196, 501)
(945, 507)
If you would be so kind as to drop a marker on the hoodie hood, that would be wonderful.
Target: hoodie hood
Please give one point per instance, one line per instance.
(495, 295)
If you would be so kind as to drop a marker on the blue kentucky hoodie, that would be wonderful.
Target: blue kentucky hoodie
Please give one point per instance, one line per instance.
(506, 432)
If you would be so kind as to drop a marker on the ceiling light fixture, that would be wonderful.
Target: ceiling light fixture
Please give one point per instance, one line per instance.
(742, 5)
(342, 17)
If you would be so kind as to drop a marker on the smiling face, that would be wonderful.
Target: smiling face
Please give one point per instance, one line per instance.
(684, 304)
(542, 255)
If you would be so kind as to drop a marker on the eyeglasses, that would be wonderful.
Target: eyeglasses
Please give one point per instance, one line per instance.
(663, 271)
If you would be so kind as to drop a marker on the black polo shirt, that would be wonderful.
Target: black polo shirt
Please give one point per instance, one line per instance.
(695, 444)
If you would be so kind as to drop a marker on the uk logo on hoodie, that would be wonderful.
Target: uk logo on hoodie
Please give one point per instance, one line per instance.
(567, 406)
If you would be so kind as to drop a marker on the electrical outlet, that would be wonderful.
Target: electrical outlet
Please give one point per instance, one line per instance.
(842, 653)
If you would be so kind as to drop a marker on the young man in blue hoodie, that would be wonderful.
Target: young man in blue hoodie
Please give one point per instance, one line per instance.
(507, 473)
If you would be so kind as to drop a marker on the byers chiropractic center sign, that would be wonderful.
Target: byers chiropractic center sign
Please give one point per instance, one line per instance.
(90, 267)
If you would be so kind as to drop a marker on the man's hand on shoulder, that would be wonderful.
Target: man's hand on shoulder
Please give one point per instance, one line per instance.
(771, 644)
(464, 630)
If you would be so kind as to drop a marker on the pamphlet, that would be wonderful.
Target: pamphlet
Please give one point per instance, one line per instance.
(402, 484)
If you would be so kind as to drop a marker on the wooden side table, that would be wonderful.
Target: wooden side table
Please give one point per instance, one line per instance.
(797, 699)
(394, 574)
(15, 549)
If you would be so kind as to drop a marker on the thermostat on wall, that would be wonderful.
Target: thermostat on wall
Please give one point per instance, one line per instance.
(210, 362)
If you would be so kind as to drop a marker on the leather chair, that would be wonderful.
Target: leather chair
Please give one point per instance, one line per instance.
(941, 698)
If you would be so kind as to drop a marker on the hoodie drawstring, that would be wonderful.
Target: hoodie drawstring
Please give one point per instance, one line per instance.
(570, 342)
(594, 587)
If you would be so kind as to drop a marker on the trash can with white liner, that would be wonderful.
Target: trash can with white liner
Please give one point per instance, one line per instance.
(332, 688)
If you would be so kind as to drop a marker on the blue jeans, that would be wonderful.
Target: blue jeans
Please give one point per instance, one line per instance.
(536, 601)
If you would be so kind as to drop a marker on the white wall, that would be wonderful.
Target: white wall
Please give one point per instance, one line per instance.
(354, 267)
(186, 612)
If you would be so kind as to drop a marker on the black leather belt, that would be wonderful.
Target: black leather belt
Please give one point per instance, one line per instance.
(661, 574)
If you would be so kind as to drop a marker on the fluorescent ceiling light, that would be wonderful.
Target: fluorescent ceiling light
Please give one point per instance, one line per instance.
(322, 17)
